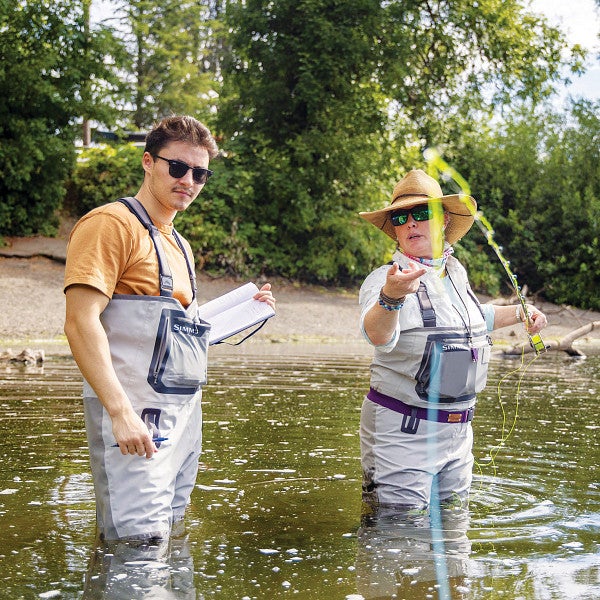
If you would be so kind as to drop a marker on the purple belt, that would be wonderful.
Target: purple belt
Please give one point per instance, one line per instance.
(429, 414)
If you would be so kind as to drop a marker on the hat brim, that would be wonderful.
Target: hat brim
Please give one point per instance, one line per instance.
(460, 207)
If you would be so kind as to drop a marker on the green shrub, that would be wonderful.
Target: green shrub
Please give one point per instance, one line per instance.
(34, 165)
(483, 268)
(102, 175)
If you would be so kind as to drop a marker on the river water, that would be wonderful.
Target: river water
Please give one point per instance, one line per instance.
(277, 509)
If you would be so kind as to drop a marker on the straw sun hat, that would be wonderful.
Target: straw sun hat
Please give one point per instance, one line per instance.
(416, 187)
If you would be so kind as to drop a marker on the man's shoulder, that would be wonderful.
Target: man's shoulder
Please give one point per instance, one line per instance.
(115, 212)
(111, 208)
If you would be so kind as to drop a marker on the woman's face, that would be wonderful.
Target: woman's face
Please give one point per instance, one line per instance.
(415, 236)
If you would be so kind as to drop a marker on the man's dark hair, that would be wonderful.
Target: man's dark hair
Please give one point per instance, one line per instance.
(180, 129)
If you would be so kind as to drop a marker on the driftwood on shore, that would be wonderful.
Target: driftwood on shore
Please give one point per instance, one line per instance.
(26, 357)
(565, 344)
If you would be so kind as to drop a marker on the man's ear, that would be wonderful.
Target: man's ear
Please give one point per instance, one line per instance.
(147, 162)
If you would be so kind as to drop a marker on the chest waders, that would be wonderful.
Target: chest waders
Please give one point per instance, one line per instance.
(415, 421)
(435, 360)
(159, 353)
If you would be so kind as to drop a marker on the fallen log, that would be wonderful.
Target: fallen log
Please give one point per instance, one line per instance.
(565, 344)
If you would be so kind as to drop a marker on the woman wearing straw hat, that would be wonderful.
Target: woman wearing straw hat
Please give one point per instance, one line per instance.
(432, 349)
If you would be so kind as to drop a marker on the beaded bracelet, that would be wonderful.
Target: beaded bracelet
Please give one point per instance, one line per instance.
(388, 307)
(390, 303)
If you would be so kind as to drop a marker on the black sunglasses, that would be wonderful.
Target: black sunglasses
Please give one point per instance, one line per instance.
(178, 169)
(419, 213)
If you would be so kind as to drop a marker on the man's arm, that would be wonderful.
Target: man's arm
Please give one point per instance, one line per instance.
(91, 352)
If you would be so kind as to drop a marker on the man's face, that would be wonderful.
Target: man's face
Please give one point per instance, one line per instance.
(174, 194)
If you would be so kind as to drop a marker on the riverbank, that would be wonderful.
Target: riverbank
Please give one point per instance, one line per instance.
(310, 319)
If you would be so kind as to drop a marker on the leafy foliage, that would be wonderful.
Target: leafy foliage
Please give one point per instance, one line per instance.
(45, 56)
(168, 59)
(305, 119)
(442, 62)
(537, 179)
(319, 106)
(323, 98)
(102, 175)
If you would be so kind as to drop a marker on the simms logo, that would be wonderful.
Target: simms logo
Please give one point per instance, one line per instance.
(189, 329)
(452, 348)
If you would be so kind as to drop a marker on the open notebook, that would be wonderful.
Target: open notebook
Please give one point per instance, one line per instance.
(234, 312)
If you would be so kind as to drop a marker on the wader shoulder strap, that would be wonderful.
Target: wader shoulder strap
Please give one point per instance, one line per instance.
(477, 303)
(189, 263)
(427, 311)
(426, 307)
(164, 271)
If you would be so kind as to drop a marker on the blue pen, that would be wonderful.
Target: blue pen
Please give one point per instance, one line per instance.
(156, 439)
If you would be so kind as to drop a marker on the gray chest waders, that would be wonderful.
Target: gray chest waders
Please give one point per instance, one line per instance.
(433, 364)
(415, 422)
(159, 353)
(451, 369)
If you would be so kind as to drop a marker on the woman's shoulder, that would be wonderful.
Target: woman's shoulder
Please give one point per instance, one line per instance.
(373, 283)
(114, 216)
(454, 265)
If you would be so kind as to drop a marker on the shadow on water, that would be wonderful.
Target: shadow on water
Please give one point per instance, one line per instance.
(277, 509)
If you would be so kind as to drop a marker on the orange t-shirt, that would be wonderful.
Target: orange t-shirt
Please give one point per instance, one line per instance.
(111, 251)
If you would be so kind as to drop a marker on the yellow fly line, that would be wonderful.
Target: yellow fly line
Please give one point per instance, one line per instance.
(437, 167)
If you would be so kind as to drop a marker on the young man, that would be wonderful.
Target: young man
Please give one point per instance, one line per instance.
(132, 324)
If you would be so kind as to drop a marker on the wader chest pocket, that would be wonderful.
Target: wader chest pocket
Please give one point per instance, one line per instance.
(179, 360)
(452, 370)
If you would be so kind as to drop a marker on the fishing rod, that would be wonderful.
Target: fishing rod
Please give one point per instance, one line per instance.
(439, 166)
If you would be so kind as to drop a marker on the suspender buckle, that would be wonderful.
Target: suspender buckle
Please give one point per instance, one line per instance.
(166, 284)
(410, 423)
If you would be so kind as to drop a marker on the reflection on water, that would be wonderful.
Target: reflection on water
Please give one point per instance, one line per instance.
(161, 569)
(412, 555)
(277, 509)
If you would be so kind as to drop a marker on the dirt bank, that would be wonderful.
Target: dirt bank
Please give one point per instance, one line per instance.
(32, 301)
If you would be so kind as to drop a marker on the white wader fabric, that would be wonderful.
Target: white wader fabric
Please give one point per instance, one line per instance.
(438, 358)
(159, 352)
(138, 497)
(399, 468)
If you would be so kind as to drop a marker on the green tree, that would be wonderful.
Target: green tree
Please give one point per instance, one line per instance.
(566, 208)
(46, 58)
(536, 178)
(443, 60)
(305, 120)
(171, 61)
(323, 100)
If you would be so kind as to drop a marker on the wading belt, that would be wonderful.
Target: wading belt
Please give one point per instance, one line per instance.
(415, 413)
